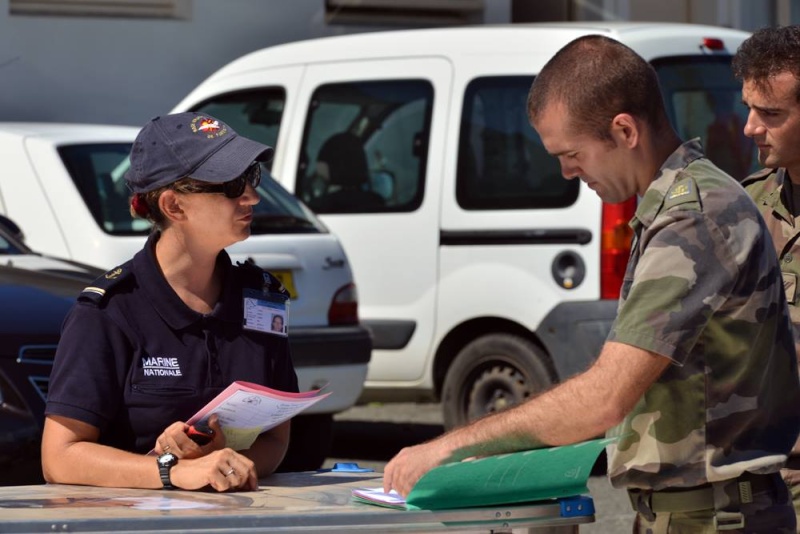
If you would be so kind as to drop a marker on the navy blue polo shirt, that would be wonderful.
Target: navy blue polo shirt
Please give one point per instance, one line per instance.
(136, 359)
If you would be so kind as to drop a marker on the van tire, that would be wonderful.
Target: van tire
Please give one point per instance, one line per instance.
(309, 443)
(492, 373)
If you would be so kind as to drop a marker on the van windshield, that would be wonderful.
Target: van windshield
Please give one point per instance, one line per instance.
(98, 172)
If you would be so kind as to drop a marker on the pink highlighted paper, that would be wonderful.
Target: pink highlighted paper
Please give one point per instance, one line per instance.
(245, 410)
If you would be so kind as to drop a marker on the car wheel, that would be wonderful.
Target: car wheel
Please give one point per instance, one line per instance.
(490, 374)
(309, 443)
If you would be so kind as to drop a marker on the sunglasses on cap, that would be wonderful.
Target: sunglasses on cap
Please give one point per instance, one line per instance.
(234, 188)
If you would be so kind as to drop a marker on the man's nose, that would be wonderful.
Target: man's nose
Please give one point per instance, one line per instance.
(570, 171)
(753, 126)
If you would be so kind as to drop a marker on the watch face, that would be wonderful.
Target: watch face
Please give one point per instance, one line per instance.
(167, 459)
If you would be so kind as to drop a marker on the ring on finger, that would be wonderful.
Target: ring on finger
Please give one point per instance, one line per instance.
(230, 471)
(166, 448)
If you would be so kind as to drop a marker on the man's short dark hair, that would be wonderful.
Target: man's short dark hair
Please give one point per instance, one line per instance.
(769, 51)
(597, 78)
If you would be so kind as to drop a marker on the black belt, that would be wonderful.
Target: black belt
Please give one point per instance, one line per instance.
(649, 503)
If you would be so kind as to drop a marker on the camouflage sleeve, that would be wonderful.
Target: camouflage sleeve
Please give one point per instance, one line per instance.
(684, 274)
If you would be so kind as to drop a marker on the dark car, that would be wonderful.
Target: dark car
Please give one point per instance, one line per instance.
(35, 293)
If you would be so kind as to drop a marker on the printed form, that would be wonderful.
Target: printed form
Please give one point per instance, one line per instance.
(245, 410)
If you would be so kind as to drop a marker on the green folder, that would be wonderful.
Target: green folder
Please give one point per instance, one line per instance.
(518, 477)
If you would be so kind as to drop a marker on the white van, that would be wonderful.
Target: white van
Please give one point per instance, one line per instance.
(483, 275)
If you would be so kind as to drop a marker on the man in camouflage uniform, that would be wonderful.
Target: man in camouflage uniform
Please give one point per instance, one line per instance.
(768, 64)
(698, 374)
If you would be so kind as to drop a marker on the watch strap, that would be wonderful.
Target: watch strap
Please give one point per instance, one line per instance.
(164, 472)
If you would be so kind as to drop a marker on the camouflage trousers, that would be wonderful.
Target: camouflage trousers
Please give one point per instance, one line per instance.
(767, 508)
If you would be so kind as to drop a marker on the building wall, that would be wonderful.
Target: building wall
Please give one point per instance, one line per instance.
(124, 70)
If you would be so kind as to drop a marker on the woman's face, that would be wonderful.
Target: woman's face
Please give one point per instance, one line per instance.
(218, 220)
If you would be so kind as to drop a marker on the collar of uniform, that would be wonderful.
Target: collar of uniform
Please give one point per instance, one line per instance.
(167, 303)
(670, 170)
(777, 199)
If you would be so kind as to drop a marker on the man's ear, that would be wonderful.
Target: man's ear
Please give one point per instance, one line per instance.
(170, 205)
(625, 130)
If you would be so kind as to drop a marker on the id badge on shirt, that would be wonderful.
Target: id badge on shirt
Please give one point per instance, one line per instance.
(266, 312)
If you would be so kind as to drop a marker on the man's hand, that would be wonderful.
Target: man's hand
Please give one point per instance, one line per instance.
(408, 466)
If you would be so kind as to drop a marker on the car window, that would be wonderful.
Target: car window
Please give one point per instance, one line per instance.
(280, 212)
(365, 147)
(6, 248)
(502, 163)
(704, 100)
(98, 171)
(10, 243)
(255, 114)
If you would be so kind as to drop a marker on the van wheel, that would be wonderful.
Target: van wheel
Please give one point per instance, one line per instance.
(490, 374)
(309, 443)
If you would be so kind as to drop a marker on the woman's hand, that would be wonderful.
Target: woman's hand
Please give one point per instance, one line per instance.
(175, 440)
(223, 470)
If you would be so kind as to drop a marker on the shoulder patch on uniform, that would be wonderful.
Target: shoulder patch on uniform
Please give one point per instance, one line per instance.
(257, 278)
(105, 283)
(682, 192)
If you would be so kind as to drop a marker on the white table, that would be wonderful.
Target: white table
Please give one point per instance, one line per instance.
(287, 502)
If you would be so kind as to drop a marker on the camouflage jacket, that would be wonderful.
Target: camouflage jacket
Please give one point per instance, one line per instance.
(766, 188)
(703, 288)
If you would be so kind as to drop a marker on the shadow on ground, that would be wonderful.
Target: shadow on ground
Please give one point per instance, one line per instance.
(378, 441)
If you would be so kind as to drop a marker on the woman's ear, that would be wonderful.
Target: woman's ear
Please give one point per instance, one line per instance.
(625, 130)
(171, 206)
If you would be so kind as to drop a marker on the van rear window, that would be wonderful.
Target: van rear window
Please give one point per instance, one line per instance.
(704, 100)
(502, 163)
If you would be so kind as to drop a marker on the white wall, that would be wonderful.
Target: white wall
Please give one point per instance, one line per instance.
(124, 71)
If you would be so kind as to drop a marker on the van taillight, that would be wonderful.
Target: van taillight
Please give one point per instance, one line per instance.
(615, 246)
(712, 43)
(344, 306)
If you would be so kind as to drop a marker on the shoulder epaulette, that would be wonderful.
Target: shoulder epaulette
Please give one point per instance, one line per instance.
(257, 278)
(682, 193)
(104, 284)
(757, 176)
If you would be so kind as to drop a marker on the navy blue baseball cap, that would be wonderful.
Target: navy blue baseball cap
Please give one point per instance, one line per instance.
(196, 145)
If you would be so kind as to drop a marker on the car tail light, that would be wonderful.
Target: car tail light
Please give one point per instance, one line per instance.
(615, 246)
(344, 306)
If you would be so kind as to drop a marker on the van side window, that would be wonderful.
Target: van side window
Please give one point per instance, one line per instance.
(252, 113)
(365, 147)
(704, 100)
(502, 163)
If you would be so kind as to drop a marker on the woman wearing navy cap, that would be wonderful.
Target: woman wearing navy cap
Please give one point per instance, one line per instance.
(155, 339)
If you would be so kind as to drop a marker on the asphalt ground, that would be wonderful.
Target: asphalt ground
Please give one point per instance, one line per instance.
(370, 435)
